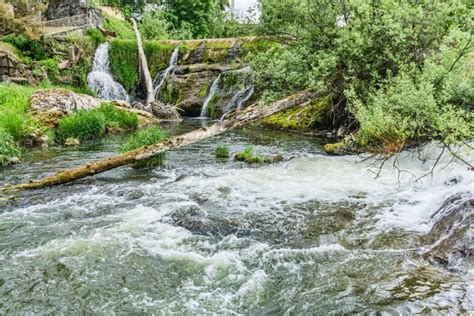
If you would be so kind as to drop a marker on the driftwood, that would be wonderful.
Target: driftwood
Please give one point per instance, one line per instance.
(150, 96)
(249, 115)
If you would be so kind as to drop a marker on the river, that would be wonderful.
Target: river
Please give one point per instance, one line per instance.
(311, 235)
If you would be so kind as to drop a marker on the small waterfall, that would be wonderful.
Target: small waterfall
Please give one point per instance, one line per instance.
(100, 78)
(212, 91)
(162, 75)
(239, 97)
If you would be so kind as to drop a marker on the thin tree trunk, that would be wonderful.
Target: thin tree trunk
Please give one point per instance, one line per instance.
(249, 115)
(150, 96)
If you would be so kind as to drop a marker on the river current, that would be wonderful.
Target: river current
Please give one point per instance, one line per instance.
(313, 235)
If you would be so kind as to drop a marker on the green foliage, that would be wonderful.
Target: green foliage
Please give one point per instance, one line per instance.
(193, 17)
(117, 118)
(83, 125)
(145, 137)
(95, 36)
(8, 148)
(13, 110)
(122, 29)
(124, 62)
(29, 47)
(390, 64)
(93, 124)
(154, 26)
(52, 67)
(222, 151)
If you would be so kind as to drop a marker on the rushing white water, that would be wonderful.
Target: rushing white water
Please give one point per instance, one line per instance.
(212, 91)
(238, 100)
(313, 235)
(100, 79)
(161, 77)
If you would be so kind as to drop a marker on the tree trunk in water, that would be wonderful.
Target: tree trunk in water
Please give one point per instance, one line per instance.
(150, 97)
(249, 115)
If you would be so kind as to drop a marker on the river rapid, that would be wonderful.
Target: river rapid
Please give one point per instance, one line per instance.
(313, 235)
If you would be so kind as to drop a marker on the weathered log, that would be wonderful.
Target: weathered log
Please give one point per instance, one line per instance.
(251, 114)
(150, 96)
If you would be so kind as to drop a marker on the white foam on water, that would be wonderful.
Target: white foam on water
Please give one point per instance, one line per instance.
(100, 79)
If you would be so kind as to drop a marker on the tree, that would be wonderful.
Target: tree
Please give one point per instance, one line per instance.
(196, 16)
(154, 26)
(383, 53)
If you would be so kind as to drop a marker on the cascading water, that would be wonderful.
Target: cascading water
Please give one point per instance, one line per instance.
(314, 235)
(212, 91)
(161, 77)
(100, 79)
(244, 91)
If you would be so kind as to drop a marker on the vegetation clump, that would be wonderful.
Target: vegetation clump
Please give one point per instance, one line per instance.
(92, 124)
(222, 151)
(9, 150)
(146, 137)
(248, 156)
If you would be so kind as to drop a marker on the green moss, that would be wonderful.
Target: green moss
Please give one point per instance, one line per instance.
(124, 62)
(222, 151)
(204, 90)
(158, 55)
(301, 118)
(95, 36)
(211, 108)
(333, 149)
(122, 29)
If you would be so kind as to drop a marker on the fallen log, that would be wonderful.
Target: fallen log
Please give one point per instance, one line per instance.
(150, 96)
(251, 114)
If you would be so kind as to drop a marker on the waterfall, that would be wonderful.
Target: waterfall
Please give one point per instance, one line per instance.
(214, 88)
(162, 75)
(100, 78)
(238, 98)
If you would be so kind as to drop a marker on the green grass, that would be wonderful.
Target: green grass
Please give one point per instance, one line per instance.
(8, 148)
(83, 125)
(96, 36)
(146, 137)
(117, 118)
(124, 62)
(122, 29)
(222, 151)
(92, 124)
(14, 118)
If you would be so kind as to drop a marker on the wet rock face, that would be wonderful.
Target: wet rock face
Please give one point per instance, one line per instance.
(450, 240)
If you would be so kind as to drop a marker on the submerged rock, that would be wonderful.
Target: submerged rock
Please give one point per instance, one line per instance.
(72, 142)
(451, 237)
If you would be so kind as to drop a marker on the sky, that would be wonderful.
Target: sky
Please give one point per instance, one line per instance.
(243, 5)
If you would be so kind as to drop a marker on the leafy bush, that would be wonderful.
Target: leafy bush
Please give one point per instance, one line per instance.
(146, 137)
(116, 118)
(96, 36)
(83, 125)
(34, 48)
(8, 148)
(413, 86)
(222, 152)
(153, 25)
(52, 67)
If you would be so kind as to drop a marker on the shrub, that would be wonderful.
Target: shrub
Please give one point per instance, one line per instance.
(83, 125)
(95, 36)
(146, 137)
(222, 152)
(52, 67)
(28, 46)
(117, 118)
(8, 148)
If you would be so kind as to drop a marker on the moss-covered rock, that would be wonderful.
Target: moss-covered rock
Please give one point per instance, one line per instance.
(302, 118)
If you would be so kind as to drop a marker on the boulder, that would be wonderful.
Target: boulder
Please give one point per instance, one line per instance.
(50, 105)
(451, 237)
(165, 112)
